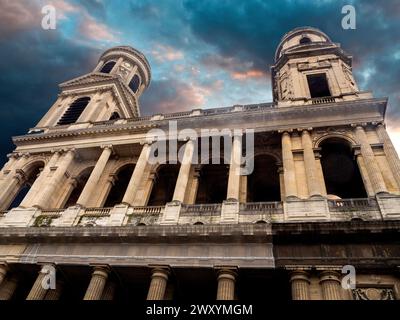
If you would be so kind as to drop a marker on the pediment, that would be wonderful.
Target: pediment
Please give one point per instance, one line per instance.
(91, 78)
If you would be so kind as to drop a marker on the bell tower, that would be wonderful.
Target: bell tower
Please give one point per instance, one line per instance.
(309, 68)
(110, 91)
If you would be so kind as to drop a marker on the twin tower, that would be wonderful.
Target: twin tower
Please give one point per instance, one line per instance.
(308, 67)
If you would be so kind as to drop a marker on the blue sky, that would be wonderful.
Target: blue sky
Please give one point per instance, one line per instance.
(203, 54)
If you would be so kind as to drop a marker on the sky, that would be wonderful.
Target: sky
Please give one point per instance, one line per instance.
(203, 54)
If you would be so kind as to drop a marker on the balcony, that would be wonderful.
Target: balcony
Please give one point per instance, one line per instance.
(299, 210)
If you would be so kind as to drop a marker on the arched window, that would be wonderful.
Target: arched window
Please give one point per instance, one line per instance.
(74, 111)
(134, 83)
(114, 115)
(108, 67)
(305, 40)
(341, 173)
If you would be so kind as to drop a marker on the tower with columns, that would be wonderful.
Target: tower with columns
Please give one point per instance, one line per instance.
(80, 195)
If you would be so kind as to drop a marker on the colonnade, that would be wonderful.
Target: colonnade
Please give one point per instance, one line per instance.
(51, 178)
(101, 287)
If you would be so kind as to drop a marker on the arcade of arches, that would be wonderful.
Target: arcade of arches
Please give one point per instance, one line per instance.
(266, 183)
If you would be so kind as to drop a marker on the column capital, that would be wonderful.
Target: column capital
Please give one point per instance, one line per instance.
(160, 271)
(299, 275)
(226, 272)
(12, 155)
(331, 275)
(107, 147)
(101, 270)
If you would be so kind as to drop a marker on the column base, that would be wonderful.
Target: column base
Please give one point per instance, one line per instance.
(19, 217)
(306, 209)
(118, 215)
(68, 217)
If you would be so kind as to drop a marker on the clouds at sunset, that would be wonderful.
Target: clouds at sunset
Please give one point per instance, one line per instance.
(203, 54)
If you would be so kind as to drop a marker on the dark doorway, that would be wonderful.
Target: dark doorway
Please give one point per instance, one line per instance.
(213, 183)
(318, 85)
(341, 173)
(263, 184)
(121, 182)
(164, 185)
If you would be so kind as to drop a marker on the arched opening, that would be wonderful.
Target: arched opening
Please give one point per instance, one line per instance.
(213, 183)
(80, 184)
(341, 173)
(134, 83)
(32, 173)
(164, 184)
(74, 111)
(114, 116)
(305, 40)
(120, 185)
(263, 183)
(198, 223)
(108, 67)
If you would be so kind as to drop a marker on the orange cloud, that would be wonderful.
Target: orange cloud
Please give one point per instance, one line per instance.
(253, 73)
(166, 53)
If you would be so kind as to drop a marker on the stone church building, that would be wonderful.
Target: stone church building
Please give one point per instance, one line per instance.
(83, 207)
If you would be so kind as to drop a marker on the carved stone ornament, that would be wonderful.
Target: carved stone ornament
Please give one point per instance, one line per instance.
(373, 294)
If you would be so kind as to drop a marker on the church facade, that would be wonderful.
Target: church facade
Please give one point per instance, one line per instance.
(316, 218)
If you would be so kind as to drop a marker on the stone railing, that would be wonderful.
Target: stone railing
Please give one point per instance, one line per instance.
(275, 207)
(201, 209)
(354, 208)
(97, 212)
(142, 216)
(322, 100)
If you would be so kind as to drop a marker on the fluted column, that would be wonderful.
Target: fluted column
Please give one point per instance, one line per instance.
(3, 271)
(289, 173)
(137, 175)
(226, 284)
(51, 185)
(8, 287)
(40, 181)
(11, 184)
(364, 174)
(310, 165)
(92, 183)
(330, 284)
(234, 168)
(97, 283)
(38, 291)
(300, 283)
(390, 152)
(158, 284)
(374, 173)
(184, 171)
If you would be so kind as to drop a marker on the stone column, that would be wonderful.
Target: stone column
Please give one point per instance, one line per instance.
(137, 175)
(8, 287)
(320, 175)
(3, 271)
(12, 183)
(234, 168)
(226, 284)
(374, 173)
(38, 185)
(12, 158)
(92, 183)
(310, 165)
(184, 171)
(390, 152)
(158, 284)
(364, 174)
(300, 282)
(194, 185)
(97, 283)
(289, 173)
(38, 291)
(51, 185)
(330, 284)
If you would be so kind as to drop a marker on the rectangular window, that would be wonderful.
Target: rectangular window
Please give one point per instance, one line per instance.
(318, 85)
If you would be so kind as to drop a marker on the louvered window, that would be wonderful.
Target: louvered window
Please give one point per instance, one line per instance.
(74, 111)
